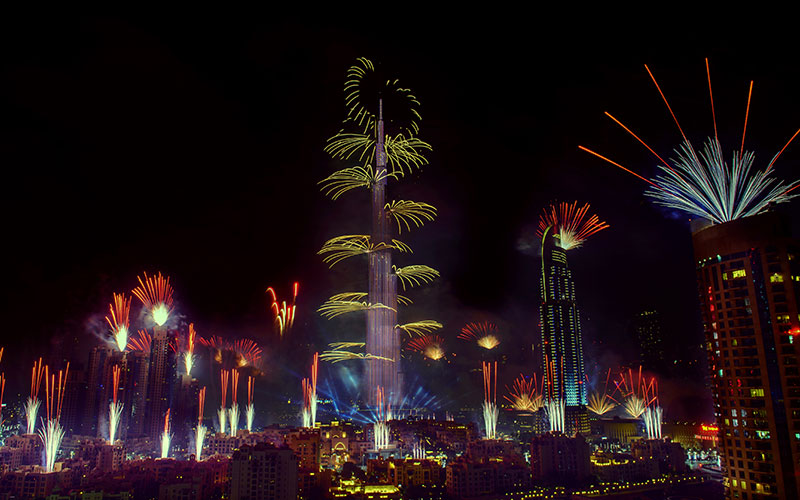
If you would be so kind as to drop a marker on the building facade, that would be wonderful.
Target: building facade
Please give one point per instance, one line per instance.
(748, 274)
(562, 341)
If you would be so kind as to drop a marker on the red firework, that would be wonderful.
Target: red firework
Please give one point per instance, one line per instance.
(54, 392)
(155, 292)
(283, 313)
(249, 351)
(430, 346)
(140, 343)
(570, 222)
(483, 333)
(201, 403)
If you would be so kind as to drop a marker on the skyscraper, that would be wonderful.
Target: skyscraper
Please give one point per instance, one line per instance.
(748, 273)
(159, 382)
(562, 343)
(647, 328)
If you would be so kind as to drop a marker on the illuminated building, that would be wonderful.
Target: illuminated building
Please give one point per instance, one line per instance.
(748, 272)
(135, 402)
(647, 328)
(562, 342)
(94, 403)
(619, 468)
(263, 471)
(559, 459)
(159, 383)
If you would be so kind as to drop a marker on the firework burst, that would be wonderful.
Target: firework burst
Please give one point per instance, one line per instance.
(33, 403)
(525, 395)
(188, 355)
(429, 346)
(602, 403)
(250, 411)
(484, 334)
(222, 413)
(248, 352)
(115, 407)
(556, 415)
(155, 293)
(200, 432)
(119, 320)
(283, 313)
(570, 223)
(420, 328)
(51, 432)
(490, 410)
(233, 412)
(704, 184)
(310, 395)
(142, 342)
(166, 436)
(381, 426)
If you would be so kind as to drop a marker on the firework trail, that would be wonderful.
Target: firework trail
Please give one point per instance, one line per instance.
(652, 422)
(639, 393)
(429, 346)
(571, 224)
(556, 415)
(119, 320)
(381, 425)
(188, 354)
(310, 395)
(249, 352)
(250, 411)
(33, 403)
(155, 293)
(51, 432)
(142, 342)
(703, 184)
(222, 413)
(166, 436)
(233, 412)
(115, 407)
(484, 334)
(523, 394)
(490, 410)
(200, 432)
(283, 314)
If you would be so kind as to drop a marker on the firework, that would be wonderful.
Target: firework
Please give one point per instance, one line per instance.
(283, 314)
(490, 410)
(343, 247)
(570, 223)
(222, 413)
(342, 181)
(405, 213)
(704, 184)
(200, 432)
(332, 308)
(118, 320)
(338, 355)
(188, 354)
(51, 432)
(415, 275)
(523, 394)
(555, 415)
(115, 407)
(155, 293)
(310, 395)
(484, 334)
(381, 426)
(233, 412)
(249, 352)
(429, 346)
(33, 403)
(142, 342)
(166, 436)
(600, 404)
(634, 406)
(420, 328)
(250, 411)
(652, 422)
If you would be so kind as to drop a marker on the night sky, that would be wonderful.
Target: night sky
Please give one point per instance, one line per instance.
(193, 143)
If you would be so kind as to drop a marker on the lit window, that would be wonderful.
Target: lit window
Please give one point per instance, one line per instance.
(757, 393)
(776, 278)
(739, 273)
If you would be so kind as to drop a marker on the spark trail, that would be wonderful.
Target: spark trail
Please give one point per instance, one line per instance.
(490, 410)
(155, 293)
(119, 320)
(200, 431)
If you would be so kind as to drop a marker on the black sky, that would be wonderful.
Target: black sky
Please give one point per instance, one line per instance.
(192, 144)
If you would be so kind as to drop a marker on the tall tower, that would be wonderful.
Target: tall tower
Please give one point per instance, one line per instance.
(382, 337)
(562, 342)
(159, 382)
(136, 393)
(748, 274)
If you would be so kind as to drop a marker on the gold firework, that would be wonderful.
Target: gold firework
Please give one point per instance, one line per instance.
(336, 346)
(415, 275)
(360, 296)
(342, 247)
(346, 179)
(332, 308)
(420, 328)
(600, 404)
(339, 355)
(402, 153)
(634, 406)
(407, 212)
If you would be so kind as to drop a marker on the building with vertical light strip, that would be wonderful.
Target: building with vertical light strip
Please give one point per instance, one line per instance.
(748, 274)
(562, 342)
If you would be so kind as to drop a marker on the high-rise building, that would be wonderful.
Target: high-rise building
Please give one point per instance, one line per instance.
(648, 331)
(562, 342)
(263, 472)
(135, 401)
(94, 393)
(748, 273)
(159, 382)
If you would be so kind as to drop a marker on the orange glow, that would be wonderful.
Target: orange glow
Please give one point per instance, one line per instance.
(709, 428)
(746, 115)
